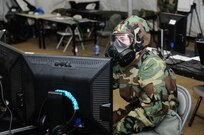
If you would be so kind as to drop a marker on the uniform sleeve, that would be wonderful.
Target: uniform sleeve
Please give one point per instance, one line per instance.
(151, 80)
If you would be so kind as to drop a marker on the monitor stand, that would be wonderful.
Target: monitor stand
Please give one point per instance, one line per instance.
(4, 130)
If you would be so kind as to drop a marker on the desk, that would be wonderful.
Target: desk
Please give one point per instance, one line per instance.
(59, 19)
(183, 65)
(39, 23)
(72, 23)
(190, 69)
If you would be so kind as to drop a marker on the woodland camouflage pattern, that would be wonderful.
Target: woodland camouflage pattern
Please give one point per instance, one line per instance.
(148, 85)
(138, 27)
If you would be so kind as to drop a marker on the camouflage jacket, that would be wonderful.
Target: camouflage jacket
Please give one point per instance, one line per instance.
(150, 88)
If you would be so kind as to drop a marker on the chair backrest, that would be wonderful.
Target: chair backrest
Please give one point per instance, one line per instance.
(84, 5)
(68, 31)
(185, 103)
(91, 6)
(113, 21)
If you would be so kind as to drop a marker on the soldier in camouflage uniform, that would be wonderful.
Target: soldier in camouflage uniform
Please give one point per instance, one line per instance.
(144, 79)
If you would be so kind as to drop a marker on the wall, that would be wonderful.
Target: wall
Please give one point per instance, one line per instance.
(118, 5)
(121, 5)
(49, 5)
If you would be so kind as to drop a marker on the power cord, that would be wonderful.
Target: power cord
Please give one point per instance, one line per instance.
(6, 105)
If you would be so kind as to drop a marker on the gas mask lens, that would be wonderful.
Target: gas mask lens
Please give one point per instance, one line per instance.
(121, 49)
(122, 40)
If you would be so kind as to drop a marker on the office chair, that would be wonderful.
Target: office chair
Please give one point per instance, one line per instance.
(198, 89)
(90, 6)
(185, 103)
(84, 5)
(67, 33)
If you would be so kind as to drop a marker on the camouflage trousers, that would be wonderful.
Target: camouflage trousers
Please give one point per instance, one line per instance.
(136, 121)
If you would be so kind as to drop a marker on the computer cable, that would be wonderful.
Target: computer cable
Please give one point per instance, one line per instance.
(42, 119)
(71, 97)
(73, 100)
(188, 70)
(188, 67)
(59, 128)
(75, 107)
(6, 105)
(2, 108)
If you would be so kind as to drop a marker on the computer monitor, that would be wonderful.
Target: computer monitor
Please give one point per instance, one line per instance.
(87, 79)
(29, 78)
(13, 89)
(200, 49)
(174, 31)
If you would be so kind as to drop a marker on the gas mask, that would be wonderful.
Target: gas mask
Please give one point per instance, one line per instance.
(122, 48)
(129, 37)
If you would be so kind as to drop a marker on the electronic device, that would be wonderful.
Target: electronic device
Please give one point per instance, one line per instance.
(88, 79)
(174, 31)
(13, 91)
(200, 49)
(30, 77)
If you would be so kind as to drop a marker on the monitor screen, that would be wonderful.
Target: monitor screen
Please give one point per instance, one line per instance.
(88, 79)
(174, 35)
